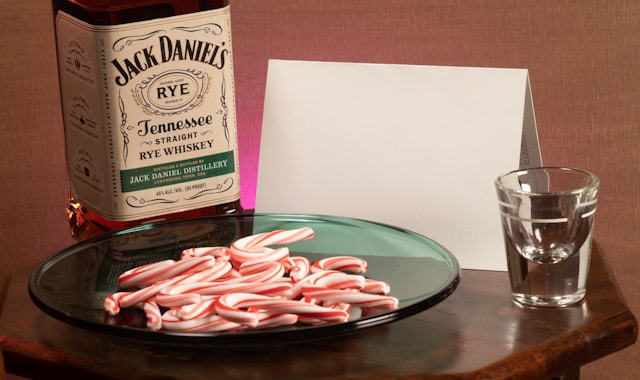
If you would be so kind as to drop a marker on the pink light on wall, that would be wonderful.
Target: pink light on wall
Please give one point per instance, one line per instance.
(250, 84)
(249, 149)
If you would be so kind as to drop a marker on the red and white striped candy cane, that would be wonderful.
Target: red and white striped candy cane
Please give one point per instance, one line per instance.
(296, 291)
(265, 239)
(211, 323)
(281, 289)
(137, 275)
(112, 302)
(153, 314)
(255, 247)
(341, 263)
(376, 287)
(219, 253)
(363, 300)
(260, 254)
(268, 271)
(175, 300)
(162, 272)
(226, 307)
(266, 320)
(196, 310)
(139, 296)
(230, 307)
(340, 280)
(220, 270)
(297, 267)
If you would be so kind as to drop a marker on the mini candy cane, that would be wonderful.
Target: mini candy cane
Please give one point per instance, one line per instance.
(218, 253)
(209, 323)
(230, 307)
(165, 271)
(154, 316)
(268, 271)
(375, 287)
(340, 280)
(213, 324)
(268, 254)
(297, 267)
(129, 299)
(363, 300)
(272, 320)
(175, 300)
(112, 303)
(226, 308)
(254, 247)
(197, 310)
(253, 267)
(341, 263)
(219, 288)
(265, 239)
(296, 290)
(137, 275)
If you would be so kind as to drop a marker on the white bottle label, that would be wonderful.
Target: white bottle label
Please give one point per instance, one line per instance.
(149, 111)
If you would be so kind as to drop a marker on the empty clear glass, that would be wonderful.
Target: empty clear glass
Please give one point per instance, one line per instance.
(547, 218)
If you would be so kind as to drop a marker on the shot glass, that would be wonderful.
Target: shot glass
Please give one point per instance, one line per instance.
(547, 218)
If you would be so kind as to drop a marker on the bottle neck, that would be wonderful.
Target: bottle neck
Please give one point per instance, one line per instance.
(115, 12)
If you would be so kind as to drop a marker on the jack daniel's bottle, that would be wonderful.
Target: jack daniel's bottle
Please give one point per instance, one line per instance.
(148, 105)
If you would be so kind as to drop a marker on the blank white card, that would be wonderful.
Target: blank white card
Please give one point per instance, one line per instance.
(417, 147)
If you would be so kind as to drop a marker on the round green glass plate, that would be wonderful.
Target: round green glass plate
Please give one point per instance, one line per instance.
(72, 285)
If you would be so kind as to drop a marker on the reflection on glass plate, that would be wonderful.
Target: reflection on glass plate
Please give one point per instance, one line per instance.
(72, 285)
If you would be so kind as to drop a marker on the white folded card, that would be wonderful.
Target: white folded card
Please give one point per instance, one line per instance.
(417, 147)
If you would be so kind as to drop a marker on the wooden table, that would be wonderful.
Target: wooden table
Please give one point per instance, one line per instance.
(478, 332)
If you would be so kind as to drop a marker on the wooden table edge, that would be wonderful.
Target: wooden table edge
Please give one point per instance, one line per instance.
(19, 357)
(625, 326)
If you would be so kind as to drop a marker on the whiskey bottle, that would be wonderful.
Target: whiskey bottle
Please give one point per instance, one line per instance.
(148, 102)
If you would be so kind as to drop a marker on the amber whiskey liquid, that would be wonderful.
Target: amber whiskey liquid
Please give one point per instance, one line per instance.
(148, 104)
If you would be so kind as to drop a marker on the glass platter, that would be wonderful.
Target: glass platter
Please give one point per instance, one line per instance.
(72, 285)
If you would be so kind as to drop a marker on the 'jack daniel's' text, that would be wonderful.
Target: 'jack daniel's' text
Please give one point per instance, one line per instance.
(169, 50)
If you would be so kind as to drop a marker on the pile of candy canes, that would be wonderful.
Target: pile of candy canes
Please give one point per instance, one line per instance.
(250, 285)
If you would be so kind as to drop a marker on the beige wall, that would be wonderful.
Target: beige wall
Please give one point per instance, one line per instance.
(583, 57)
